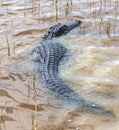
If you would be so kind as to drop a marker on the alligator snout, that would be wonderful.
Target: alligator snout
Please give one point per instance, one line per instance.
(72, 25)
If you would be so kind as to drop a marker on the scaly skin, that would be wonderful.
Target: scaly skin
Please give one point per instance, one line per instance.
(49, 54)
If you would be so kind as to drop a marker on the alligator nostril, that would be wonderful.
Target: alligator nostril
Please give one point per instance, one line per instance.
(78, 22)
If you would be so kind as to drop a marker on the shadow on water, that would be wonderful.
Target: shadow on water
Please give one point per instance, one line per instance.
(91, 67)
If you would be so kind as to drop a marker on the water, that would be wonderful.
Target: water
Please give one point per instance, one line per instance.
(92, 67)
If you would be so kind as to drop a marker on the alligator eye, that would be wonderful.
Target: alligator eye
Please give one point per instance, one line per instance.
(50, 28)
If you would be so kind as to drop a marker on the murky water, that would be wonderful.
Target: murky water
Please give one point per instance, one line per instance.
(92, 67)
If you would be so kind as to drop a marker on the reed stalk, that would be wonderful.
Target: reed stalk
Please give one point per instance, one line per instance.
(101, 5)
(71, 2)
(2, 113)
(101, 22)
(56, 1)
(25, 9)
(115, 19)
(83, 101)
(108, 28)
(56, 10)
(33, 6)
(8, 46)
(34, 118)
(83, 31)
(28, 92)
(67, 8)
(34, 80)
(39, 7)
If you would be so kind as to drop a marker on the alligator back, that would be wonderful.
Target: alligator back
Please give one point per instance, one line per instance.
(49, 54)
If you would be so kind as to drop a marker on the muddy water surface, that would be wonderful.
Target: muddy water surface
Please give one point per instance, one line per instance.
(92, 69)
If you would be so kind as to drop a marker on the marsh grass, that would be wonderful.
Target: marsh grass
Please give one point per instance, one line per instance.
(67, 8)
(115, 22)
(8, 46)
(34, 80)
(101, 23)
(56, 10)
(25, 9)
(39, 7)
(24, 12)
(56, 1)
(28, 92)
(101, 6)
(115, 19)
(83, 31)
(33, 6)
(71, 2)
(31, 86)
(3, 110)
(83, 104)
(108, 28)
(35, 118)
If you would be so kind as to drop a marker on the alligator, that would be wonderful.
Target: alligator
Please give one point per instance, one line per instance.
(49, 53)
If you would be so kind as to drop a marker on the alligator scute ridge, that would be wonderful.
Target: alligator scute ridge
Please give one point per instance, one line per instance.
(49, 54)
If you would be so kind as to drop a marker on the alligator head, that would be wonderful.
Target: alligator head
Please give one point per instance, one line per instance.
(60, 29)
